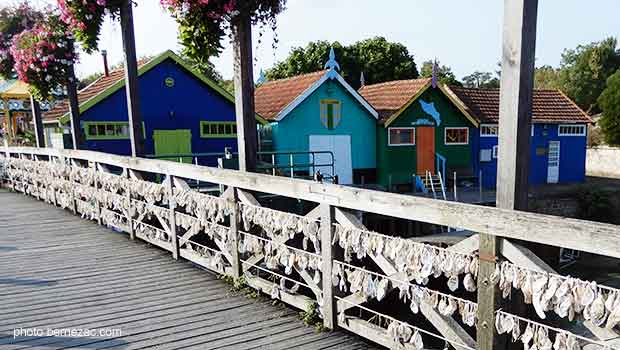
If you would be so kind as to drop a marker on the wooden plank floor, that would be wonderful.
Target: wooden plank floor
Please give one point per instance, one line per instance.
(58, 271)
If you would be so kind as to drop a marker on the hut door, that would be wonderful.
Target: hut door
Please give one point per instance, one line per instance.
(173, 142)
(553, 162)
(425, 145)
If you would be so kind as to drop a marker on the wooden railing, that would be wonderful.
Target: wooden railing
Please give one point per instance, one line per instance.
(377, 285)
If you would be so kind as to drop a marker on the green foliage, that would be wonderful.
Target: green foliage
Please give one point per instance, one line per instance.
(203, 24)
(546, 77)
(483, 80)
(584, 71)
(87, 80)
(444, 73)
(379, 60)
(311, 317)
(14, 20)
(609, 102)
(594, 204)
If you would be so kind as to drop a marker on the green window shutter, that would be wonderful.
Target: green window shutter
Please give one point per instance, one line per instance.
(330, 116)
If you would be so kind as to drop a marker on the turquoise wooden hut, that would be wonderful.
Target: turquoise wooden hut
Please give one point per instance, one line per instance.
(320, 111)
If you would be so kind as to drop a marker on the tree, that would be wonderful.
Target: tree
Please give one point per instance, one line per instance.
(444, 73)
(609, 102)
(584, 71)
(482, 80)
(546, 77)
(377, 58)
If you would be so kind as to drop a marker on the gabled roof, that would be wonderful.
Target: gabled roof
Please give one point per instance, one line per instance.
(392, 98)
(15, 89)
(275, 99)
(387, 98)
(105, 86)
(548, 106)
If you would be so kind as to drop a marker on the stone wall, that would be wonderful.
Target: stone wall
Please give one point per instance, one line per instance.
(603, 161)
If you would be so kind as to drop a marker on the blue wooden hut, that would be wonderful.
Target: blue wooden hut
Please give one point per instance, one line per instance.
(320, 111)
(183, 112)
(447, 129)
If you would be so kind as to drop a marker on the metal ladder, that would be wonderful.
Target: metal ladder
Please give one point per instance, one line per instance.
(433, 180)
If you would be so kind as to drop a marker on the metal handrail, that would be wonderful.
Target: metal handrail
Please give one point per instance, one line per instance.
(273, 166)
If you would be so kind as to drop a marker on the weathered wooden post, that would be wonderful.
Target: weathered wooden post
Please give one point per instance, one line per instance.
(172, 205)
(327, 252)
(131, 80)
(38, 122)
(518, 54)
(247, 139)
(237, 266)
(74, 107)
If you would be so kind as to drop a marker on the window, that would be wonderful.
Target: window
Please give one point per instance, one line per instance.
(106, 130)
(489, 130)
(401, 136)
(218, 129)
(495, 151)
(330, 113)
(456, 136)
(572, 130)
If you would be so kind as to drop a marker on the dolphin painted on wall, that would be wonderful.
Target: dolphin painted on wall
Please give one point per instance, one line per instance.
(429, 108)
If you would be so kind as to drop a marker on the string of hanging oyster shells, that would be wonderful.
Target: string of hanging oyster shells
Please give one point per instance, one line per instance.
(152, 233)
(418, 260)
(214, 259)
(281, 226)
(193, 227)
(375, 286)
(402, 334)
(537, 336)
(282, 256)
(566, 296)
(207, 209)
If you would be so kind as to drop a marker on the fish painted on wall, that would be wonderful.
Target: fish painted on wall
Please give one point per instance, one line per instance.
(429, 108)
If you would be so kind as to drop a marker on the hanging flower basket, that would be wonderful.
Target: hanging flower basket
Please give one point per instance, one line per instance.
(85, 17)
(42, 55)
(14, 20)
(204, 23)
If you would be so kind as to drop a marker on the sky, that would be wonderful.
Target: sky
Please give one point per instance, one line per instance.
(463, 34)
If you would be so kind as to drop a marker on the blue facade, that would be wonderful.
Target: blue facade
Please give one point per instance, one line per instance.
(572, 156)
(181, 106)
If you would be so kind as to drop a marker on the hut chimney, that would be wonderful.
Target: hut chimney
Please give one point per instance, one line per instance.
(362, 80)
(106, 71)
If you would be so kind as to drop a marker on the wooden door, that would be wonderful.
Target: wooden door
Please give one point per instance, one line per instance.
(173, 142)
(340, 146)
(425, 149)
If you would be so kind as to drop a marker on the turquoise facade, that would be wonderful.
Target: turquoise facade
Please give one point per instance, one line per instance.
(292, 133)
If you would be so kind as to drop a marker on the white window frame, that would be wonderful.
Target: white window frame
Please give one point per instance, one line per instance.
(495, 150)
(489, 126)
(400, 144)
(582, 126)
(445, 134)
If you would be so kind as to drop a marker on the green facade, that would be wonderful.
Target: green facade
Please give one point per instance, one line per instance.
(400, 161)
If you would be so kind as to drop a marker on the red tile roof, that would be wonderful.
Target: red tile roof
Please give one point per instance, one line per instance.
(549, 106)
(92, 90)
(273, 96)
(388, 98)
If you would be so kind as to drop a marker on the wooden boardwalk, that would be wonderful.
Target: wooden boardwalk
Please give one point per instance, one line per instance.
(58, 271)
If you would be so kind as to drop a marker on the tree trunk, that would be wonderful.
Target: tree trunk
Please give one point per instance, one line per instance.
(38, 123)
